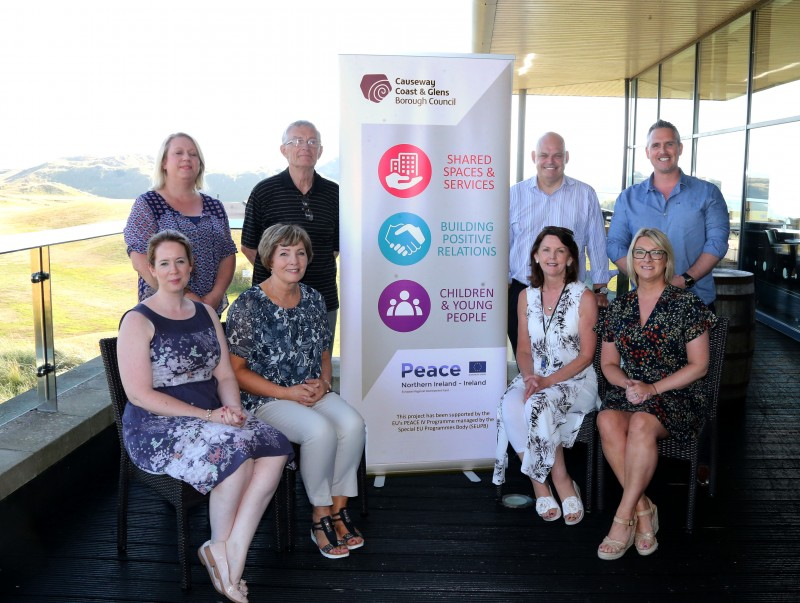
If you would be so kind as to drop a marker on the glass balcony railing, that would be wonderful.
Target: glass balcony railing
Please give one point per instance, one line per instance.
(63, 290)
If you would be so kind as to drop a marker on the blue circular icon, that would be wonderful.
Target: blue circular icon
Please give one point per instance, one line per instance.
(404, 239)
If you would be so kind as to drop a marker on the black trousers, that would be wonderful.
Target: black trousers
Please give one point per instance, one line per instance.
(513, 299)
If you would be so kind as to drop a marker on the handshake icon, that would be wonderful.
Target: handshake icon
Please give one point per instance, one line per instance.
(404, 239)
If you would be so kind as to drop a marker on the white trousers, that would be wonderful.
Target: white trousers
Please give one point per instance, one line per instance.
(331, 435)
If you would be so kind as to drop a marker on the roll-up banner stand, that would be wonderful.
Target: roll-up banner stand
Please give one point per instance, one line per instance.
(424, 164)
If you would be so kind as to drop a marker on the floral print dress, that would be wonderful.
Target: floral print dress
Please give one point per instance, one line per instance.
(554, 415)
(209, 233)
(184, 353)
(283, 345)
(656, 350)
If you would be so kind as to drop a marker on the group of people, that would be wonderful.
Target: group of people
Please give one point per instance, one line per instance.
(667, 233)
(220, 407)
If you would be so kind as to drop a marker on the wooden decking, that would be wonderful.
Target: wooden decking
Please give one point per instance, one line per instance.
(440, 537)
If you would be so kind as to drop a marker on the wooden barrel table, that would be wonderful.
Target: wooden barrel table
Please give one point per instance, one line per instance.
(735, 290)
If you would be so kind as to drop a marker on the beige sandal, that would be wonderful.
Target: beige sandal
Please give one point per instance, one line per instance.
(618, 548)
(648, 537)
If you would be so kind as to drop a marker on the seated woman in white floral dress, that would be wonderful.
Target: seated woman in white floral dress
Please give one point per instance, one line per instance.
(280, 339)
(544, 406)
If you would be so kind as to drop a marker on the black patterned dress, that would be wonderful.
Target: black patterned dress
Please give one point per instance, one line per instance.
(283, 345)
(184, 354)
(656, 350)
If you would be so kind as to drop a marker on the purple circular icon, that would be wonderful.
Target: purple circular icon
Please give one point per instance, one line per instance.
(404, 306)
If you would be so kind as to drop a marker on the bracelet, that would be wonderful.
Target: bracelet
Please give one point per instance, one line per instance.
(654, 388)
(328, 383)
(208, 414)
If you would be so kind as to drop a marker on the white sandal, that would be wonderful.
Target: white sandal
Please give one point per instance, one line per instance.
(573, 505)
(545, 503)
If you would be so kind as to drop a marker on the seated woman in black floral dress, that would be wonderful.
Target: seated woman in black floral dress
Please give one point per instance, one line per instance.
(655, 351)
(279, 339)
(185, 418)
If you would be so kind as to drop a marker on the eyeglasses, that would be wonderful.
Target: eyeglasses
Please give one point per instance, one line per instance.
(311, 143)
(655, 254)
(306, 208)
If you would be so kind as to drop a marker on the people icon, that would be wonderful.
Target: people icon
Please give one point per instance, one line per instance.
(404, 307)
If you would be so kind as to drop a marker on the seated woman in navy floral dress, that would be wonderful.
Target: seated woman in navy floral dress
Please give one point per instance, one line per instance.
(185, 418)
(655, 351)
(279, 340)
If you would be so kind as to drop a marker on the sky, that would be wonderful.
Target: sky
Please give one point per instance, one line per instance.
(103, 78)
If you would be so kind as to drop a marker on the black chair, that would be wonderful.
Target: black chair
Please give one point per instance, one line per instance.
(587, 434)
(287, 542)
(781, 262)
(362, 489)
(179, 494)
(669, 448)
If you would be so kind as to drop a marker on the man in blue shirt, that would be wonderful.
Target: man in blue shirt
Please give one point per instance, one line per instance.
(691, 212)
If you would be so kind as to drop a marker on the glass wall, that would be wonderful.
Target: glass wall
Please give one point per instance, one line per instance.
(708, 90)
(646, 104)
(723, 77)
(714, 164)
(776, 72)
(677, 90)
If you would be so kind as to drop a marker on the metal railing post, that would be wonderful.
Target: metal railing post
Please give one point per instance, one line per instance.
(43, 329)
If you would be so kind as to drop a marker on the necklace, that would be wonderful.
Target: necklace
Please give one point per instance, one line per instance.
(546, 326)
(286, 300)
(550, 308)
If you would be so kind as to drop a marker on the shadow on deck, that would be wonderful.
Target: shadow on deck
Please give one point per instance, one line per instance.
(440, 537)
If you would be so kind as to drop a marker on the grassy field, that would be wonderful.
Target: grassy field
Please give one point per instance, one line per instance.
(92, 285)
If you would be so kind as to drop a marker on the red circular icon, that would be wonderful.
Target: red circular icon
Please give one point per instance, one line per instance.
(404, 170)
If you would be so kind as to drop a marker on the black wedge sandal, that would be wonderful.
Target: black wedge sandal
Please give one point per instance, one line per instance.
(325, 526)
(352, 530)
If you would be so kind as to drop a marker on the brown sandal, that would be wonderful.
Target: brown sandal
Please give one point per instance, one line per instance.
(618, 548)
(648, 537)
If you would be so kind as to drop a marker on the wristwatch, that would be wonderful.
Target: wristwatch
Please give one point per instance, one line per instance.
(689, 279)
(601, 291)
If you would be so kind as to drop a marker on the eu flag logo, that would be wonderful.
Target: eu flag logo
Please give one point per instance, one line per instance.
(477, 366)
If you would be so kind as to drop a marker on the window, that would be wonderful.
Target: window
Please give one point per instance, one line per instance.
(677, 92)
(776, 74)
(720, 161)
(724, 63)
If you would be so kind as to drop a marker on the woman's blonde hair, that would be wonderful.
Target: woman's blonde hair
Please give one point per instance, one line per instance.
(159, 177)
(661, 240)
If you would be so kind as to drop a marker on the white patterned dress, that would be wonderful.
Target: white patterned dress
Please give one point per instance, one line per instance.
(554, 415)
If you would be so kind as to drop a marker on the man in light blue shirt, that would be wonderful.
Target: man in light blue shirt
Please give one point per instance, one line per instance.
(691, 212)
(550, 198)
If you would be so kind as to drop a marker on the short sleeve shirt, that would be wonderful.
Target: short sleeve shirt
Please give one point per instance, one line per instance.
(283, 345)
(277, 200)
(209, 234)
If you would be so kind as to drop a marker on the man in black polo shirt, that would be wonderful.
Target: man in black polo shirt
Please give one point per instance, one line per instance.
(299, 195)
